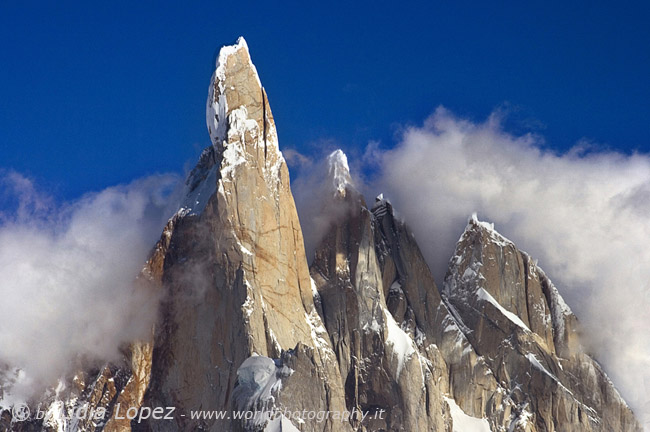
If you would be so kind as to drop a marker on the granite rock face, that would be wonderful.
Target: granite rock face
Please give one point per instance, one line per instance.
(529, 337)
(245, 324)
(380, 363)
(415, 302)
(235, 273)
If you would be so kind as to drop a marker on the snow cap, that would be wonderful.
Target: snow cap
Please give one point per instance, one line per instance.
(339, 171)
(217, 106)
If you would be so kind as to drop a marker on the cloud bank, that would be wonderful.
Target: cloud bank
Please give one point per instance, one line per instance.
(67, 277)
(583, 214)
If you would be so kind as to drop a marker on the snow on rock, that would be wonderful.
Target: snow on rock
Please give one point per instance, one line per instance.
(484, 295)
(234, 153)
(314, 289)
(259, 380)
(381, 207)
(230, 128)
(537, 365)
(451, 325)
(524, 419)
(233, 132)
(339, 171)
(319, 334)
(55, 417)
(559, 309)
(464, 422)
(217, 106)
(402, 344)
(540, 367)
(373, 326)
(495, 237)
(457, 319)
(222, 127)
(396, 287)
(197, 198)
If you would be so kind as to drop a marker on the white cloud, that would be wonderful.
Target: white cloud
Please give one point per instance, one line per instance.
(315, 191)
(67, 275)
(583, 215)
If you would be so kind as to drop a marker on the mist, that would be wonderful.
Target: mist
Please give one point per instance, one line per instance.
(583, 214)
(67, 277)
(67, 269)
(315, 189)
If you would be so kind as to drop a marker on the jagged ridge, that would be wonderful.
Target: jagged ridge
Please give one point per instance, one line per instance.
(246, 324)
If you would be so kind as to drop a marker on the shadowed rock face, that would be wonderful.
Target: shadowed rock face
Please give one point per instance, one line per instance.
(246, 324)
(381, 364)
(232, 269)
(235, 271)
(414, 300)
(518, 322)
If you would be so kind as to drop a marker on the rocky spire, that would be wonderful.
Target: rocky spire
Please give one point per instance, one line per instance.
(241, 129)
(233, 268)
(339, 171)
(379, 361)
(496, 349)
(515, 318)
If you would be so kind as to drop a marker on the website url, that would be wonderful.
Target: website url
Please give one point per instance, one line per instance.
(21, 412)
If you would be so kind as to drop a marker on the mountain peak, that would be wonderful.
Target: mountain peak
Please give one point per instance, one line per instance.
(474, 222)
(474, 225)
(235, 83)
(241, 128)
(339, 171)
(243, 325)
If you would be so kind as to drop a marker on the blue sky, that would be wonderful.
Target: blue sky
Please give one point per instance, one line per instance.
(96, 94)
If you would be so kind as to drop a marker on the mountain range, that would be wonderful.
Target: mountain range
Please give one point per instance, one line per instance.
(358, 337)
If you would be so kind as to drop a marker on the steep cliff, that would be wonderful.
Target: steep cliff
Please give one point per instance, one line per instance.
(518, 322)
(381, 364)
(245, 325)
(235, 274)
